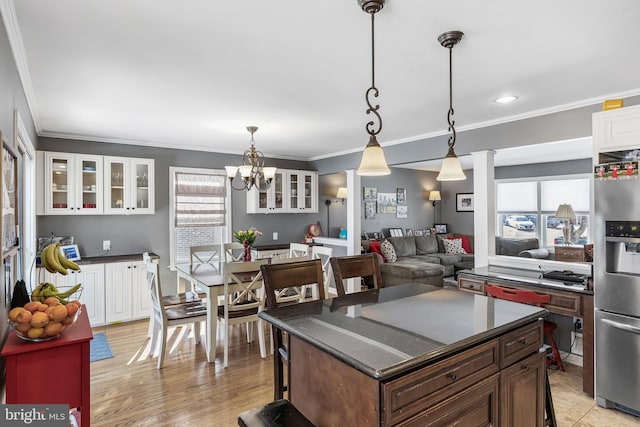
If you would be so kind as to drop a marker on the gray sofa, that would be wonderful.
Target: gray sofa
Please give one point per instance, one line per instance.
(421, 259)
(527, 248)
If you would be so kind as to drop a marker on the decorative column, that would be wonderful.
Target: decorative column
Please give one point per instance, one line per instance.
(484, 211)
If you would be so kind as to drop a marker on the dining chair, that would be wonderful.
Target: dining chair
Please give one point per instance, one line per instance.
(324, 254)
(230, 253)
(530, 297)
(204, 255)
(243, 300)
(298, 249)
(172, 315)
(278, 279)
(365, 266)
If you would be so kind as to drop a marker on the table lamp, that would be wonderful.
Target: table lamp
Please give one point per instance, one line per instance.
(566, 214)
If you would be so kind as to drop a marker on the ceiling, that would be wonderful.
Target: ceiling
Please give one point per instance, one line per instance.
(193, 74)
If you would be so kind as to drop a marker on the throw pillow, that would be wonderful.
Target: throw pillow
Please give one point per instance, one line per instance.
(388, 252)
(375, 248)
(465, 243)
(453, 246)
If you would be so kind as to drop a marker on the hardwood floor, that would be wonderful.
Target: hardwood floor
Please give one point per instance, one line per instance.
(128, 389)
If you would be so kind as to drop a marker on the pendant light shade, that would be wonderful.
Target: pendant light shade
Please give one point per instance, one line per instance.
(451, 169)
(373, 162)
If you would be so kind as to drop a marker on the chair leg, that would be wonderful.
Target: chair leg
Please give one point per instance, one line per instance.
(261, 339)
(556, 352)
(154, 340)
(163, 347)
(249, 326)
(226, 345)
(196, 331)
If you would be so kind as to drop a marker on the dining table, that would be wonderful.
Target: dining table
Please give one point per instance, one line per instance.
(211, 281)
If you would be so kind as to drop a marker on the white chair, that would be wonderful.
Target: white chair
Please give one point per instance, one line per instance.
(324, 253)
(233, 251)
(205, 255)
(243, 300)
(298, 249)
(166, 316)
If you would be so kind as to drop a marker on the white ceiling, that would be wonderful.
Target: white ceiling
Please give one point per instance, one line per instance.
(193, 74)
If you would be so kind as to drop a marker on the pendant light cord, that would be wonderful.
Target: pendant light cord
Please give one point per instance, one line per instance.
(373, 90)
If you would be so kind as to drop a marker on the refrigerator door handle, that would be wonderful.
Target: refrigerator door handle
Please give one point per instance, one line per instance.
(623, 326)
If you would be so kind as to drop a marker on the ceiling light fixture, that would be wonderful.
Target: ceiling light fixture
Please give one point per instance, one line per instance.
(507, 99)
(252, 171)
(451, 170)
(373, 162)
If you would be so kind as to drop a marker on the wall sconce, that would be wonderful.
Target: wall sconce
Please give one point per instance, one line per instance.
(341, 195)
(434, 196)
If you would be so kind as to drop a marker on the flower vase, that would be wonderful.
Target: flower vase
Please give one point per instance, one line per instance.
(246, 255)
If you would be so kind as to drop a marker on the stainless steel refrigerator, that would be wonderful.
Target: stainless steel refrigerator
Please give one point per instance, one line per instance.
(617, 292)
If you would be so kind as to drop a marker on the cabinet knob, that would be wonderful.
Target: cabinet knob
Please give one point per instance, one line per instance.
(524, 341)
(453, 376)
(525, 368)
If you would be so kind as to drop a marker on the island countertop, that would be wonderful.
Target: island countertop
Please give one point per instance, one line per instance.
(389, 331)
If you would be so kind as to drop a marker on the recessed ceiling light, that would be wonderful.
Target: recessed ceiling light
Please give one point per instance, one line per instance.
(506, 99)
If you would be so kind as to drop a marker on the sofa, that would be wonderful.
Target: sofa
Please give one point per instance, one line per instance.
(527, 248)
(420, 259)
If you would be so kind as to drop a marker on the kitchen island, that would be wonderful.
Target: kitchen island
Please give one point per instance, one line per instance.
(414, 355)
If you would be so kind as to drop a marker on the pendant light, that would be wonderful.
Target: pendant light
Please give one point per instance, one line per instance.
(373, 162)
(451, 170)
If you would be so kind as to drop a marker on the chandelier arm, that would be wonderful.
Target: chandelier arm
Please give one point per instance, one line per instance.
(244, 187)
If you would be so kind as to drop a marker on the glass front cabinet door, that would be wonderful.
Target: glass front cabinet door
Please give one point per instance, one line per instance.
(73, 184)
(129, 186)
(303, 191)
(270, 200)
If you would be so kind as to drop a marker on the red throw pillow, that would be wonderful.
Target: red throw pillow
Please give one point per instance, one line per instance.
(465, 243)
(375, 248)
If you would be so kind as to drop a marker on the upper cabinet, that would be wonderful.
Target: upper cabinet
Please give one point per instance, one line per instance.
(616, 130)
(291, 191)
(73, 184)
(129, 186)
(82, 184)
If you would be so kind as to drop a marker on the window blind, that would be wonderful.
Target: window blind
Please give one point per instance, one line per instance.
(200, 199)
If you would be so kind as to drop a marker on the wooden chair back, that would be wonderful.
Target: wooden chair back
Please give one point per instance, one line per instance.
(324, 254)
(363, 266)
(293, 275)
(517, 295)
(232, 251)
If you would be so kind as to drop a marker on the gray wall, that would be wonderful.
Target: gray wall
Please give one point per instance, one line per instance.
(135, 234)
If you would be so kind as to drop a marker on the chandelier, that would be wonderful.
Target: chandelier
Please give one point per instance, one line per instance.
(252, 171)
(373, 162)
(451, 170)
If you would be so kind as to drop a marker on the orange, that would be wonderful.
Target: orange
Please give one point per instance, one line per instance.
(76, 302)
(35, 332)
(72, 309)
(42, 306)
(52, 301)
(53, 329)
(57, 312)
(32, 306)
(20, 315)
(39, 319)
(13, 314)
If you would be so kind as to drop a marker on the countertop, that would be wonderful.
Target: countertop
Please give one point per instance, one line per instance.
(112, 258)
(520, 276)
(388, 331)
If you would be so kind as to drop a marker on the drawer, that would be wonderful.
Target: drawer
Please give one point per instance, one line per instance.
(563, 303)
(569, 254)
(471, 285)
(428, 386)
(520, 343)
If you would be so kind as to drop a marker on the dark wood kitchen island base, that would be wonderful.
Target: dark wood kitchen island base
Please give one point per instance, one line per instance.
(420, 360)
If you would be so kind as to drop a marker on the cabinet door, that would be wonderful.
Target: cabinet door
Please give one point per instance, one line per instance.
(293, 182)
(141, 183)
(89, 184)
(92, 278)
(116, 170)
(270, 200)
(59, 184)
(140, 293)
(522, 388)
(118, 291)
(303, 194)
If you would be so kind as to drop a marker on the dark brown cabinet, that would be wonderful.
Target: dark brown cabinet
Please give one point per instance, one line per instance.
(522, 393)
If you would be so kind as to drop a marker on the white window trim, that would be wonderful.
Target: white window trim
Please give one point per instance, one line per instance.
(172, 228)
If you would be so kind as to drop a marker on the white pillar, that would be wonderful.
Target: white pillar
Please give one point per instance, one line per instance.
(484, 210)
(354, 212)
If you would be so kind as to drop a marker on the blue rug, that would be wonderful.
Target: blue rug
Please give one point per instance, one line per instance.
(100, 348)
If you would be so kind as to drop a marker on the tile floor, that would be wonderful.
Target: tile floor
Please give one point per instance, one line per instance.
(573, 408)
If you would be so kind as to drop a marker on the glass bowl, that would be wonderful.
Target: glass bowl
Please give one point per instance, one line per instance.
(28, 332)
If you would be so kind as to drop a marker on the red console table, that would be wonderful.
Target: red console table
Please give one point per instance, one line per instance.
(51, 372)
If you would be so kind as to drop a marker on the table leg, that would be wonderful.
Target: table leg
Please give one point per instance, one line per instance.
(212, 323)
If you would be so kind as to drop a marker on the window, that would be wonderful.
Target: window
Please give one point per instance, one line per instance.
(526, 208)
(200, 210)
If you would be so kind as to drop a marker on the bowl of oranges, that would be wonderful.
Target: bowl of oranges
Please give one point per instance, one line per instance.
(43, 320)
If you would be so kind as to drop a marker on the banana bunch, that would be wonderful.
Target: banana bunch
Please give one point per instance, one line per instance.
(53, 260)
(46, 290)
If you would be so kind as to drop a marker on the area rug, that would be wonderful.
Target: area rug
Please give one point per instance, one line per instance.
(100, 348)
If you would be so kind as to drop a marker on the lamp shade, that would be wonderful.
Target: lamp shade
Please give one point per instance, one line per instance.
(342, 193)
(373, 162)
(451, 169)
(269, 172)
(565, 211)
(231, 171)
(434, 195)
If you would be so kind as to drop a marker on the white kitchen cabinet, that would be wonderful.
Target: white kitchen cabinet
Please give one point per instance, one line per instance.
(292, 191)
(129, 186)
(271, 200)
(73, 184)
(93, 291)
(127, 296)
(140, 293)
(303, 191)
(615, 130)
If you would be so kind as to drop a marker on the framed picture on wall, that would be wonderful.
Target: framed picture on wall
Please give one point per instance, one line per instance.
(418, 233)
(409, 232)
(401, 196)
(464, 202)
(395, 232)
(369, 210)
(387, 203)
(440, 228)
(402, 211)
(369, 193)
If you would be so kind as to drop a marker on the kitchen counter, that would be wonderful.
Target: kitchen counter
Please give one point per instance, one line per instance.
(112, 258)
(392, 330)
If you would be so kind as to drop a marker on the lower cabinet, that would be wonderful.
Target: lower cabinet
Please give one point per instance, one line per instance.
(112, 292)
(522, 404)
